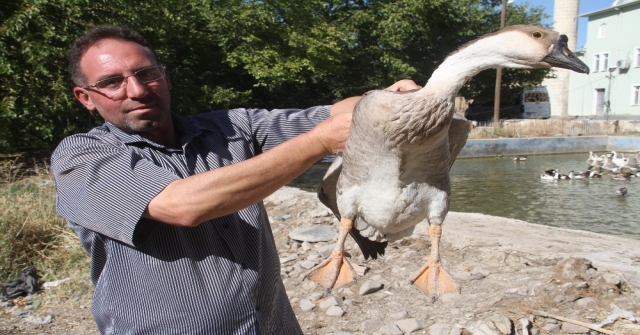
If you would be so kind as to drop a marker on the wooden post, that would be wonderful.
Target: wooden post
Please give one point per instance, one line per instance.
(496, 99)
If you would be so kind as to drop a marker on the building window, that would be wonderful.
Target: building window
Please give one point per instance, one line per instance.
(603, 31)
(635, 95)
(601, 62)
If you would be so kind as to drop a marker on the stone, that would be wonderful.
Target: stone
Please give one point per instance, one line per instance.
(398, 315)
(369, 326)
(409, 325)
(551, 328)
(440, 329)
(38, 320)
(611, 279)
(525, 325)
(334, 311)
(328, 302)
(390, 329)
(306, 305)
(315, 296)
(575, 268)
(455, 330)
(503, 323)
(313, 234)
(585, 302)
(306, 246)
(495, 325)
(571, 328)
(370, 286)
(307, 264)
(320, 212)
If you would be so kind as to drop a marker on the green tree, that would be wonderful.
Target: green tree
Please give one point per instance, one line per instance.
(231, 53)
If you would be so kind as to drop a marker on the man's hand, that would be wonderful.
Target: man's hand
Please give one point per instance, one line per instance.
(332, 133)
(403, 85)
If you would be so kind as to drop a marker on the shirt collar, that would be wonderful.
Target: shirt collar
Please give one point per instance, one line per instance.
(185, 131)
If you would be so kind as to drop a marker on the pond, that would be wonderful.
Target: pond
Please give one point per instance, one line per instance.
(513, 189)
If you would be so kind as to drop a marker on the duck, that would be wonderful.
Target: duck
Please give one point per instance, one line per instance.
(622, 191)
(595, 174)
(394, 171)
(579, 175)
(554, 175)
(621, 176)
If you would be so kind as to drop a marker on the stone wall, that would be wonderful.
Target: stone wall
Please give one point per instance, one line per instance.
(548, 145)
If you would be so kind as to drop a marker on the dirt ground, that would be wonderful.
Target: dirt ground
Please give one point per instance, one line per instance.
(515, 278)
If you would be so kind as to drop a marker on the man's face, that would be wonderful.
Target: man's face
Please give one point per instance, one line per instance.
(136, 108)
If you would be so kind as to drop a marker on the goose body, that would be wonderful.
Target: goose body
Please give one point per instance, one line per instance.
(394, 172)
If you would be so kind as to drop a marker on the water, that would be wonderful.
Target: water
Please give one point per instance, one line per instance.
(506, 188)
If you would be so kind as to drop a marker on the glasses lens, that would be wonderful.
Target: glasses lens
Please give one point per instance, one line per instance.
(150, 74)
(111, 84)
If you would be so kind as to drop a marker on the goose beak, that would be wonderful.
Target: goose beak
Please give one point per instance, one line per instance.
(560, 56)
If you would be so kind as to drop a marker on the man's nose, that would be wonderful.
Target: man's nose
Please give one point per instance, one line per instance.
(134, 87)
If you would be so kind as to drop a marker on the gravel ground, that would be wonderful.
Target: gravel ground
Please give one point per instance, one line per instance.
(515, 278)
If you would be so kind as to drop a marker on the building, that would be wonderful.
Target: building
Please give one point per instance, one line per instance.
(565, 20)
(612, 51)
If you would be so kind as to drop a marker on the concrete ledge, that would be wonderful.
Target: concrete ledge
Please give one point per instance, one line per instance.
(548, 145)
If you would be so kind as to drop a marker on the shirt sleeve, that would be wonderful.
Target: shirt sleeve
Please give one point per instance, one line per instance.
(105, 186)
(271, 128)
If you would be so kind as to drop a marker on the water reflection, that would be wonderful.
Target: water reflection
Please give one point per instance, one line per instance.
(504, 187)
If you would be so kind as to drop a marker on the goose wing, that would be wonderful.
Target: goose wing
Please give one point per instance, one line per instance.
(458, 134)
(327, 193)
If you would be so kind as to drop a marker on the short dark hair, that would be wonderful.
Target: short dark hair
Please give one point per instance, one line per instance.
(94, 35)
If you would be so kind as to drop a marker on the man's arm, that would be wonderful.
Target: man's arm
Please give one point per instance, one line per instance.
(193, 200)
(348, 105)
(201, 197)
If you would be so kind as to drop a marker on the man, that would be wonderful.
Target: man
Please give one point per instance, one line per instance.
(169, 208)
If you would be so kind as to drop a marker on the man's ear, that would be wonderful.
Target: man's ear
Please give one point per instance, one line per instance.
(82, 96)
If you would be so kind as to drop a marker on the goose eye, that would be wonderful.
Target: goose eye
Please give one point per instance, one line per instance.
(536, 34)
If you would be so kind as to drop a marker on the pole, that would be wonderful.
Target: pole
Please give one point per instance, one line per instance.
(496, 99)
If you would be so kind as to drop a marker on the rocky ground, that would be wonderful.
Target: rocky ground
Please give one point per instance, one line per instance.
(515, 278)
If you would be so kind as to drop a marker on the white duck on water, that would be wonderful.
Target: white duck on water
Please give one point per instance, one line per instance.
(394, 172)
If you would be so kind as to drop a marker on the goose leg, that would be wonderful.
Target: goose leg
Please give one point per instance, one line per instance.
(336, 270)
(431, 278)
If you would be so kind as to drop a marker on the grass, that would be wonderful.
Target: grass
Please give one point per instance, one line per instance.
(33, 234)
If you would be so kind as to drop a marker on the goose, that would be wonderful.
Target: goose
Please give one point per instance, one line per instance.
(593, 159)
(607, 164)
(394, 171)
(618, 160)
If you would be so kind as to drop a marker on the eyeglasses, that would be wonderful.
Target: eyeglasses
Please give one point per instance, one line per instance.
(113, 85)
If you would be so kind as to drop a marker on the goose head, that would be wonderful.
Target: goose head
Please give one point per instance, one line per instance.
(525, 47)
(537, 47)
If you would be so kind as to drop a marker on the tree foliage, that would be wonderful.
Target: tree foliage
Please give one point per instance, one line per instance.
(231, 53)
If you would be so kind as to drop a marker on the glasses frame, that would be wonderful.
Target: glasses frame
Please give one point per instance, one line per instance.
(124, 79)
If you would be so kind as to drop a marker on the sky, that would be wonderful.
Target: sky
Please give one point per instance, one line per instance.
(586, 6)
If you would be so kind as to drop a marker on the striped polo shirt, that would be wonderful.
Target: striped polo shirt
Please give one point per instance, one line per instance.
(221, 277)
